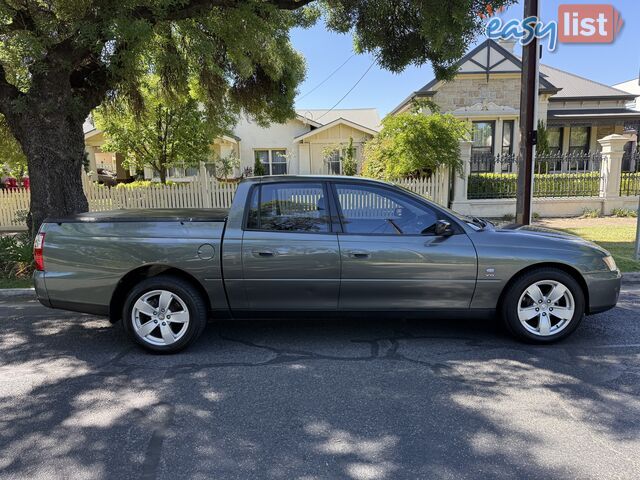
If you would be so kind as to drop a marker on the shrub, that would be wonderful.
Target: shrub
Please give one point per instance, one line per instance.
(143, 184)
(624, 212)
(16, 256)
(504, 185)
(591, 213)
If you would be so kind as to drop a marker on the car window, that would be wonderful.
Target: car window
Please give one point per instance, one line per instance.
(290, 207)
(368, 209)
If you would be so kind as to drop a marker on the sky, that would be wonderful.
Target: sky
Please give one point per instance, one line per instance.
(325, 52)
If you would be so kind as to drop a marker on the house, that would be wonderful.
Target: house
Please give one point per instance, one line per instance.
(311, 143)
(633, 87)
(486, 92)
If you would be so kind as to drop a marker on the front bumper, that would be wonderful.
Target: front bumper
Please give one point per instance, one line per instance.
(604, 290)
(41, 288)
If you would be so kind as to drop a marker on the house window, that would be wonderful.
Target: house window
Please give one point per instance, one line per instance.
(334, 163)
(554, 139)
(507, 137)
(579, 139)
(482, 134)
(288, 207)
(507, 146)
(274, 161)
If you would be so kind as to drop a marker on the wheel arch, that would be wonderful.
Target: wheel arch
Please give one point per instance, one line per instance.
(136, 275)
(568, 269)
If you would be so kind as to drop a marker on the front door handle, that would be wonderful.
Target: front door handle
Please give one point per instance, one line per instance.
(359, 255)
(263, 253)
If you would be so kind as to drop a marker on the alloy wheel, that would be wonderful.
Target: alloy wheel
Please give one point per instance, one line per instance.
(546, 308)
(160, 317)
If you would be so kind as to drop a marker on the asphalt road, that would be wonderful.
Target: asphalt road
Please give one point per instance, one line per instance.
(328, 399)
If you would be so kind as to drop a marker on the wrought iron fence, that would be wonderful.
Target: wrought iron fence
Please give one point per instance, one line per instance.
(555, 175)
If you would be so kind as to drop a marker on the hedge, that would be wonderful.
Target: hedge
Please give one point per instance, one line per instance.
(630, 183)
(504, 185)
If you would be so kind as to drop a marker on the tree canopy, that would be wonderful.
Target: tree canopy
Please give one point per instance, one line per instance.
(60, 59)
(12, 160)
(414, 144)
(161, 131)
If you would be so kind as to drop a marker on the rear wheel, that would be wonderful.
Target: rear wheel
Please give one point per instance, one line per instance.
(543, 306)
(164, 314)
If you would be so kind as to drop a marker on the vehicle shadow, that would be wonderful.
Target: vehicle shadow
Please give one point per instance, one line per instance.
(317, 399)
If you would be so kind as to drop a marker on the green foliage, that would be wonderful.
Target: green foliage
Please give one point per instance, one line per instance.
(225, 166)
(16, 256)
(161, 131)
(413, 144)
(347, 155)
(403, 33)
(542, 144)
(258, 168)
(624, 212)
(591, 213)
(349, 161)
(630, 183)
(143, 184)
(12, 160)
(504, 185)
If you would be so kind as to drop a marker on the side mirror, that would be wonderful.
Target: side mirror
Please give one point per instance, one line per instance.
(443, 228)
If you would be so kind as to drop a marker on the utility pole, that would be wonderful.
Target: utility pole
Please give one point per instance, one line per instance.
(528, 115)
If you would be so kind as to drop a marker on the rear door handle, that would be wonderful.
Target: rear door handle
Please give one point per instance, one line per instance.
(263, 253)
(359, 255)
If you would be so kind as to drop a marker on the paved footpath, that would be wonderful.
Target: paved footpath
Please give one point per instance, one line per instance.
(321, 399)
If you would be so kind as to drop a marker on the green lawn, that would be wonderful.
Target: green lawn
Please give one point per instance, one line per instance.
(16, 282)
(618, 239)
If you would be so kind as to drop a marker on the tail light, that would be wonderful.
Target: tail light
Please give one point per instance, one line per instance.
(38, 247)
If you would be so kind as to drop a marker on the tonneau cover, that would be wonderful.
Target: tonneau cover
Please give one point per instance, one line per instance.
(147, 215)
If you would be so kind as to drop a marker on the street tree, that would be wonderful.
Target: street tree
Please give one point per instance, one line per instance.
(163, 130)
(414, 144)
(60, 59)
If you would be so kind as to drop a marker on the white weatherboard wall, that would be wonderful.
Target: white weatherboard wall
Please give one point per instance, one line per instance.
(276, 136)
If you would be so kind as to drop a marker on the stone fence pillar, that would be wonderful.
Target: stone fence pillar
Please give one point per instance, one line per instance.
(611, 167)
(460, 180)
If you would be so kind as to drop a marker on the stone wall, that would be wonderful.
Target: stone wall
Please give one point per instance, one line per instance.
(465, 91)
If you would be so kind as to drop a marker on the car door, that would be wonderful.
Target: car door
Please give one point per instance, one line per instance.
(290, 255)
(391, 257)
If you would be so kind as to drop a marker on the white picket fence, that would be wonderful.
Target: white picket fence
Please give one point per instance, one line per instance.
(204, 192)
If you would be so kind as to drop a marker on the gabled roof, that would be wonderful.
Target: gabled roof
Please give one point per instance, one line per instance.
(575, 86)
(337, 121)
(491, 58)
(366, 117)
(487, 58)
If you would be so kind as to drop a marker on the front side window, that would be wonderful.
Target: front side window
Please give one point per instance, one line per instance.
(274, 161)
(370, 210)
(288, 207)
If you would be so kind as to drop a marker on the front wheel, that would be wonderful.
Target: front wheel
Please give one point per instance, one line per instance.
(164, 314)
(543, 306)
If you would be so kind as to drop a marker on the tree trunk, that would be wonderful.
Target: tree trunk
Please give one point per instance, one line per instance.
(163, 175)
(53, 143)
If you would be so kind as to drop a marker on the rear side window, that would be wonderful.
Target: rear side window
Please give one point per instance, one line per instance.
(288, 207)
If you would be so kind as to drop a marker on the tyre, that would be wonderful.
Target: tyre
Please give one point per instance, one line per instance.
(164, 314)
(543, 306)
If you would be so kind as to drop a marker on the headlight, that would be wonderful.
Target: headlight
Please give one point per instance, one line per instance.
(610, 262)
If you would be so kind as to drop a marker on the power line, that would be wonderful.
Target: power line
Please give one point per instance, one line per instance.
(350, 90)
(324, 81)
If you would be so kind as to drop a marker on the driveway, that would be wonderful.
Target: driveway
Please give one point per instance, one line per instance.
(319, 399)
